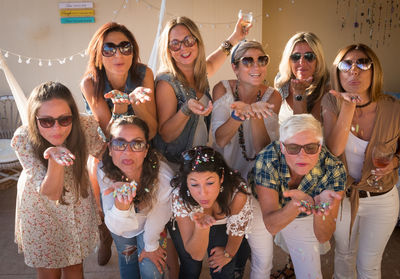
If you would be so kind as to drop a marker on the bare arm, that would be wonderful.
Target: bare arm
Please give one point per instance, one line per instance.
(147, 110)
(99, 108)
(337, 128)
(53, 182)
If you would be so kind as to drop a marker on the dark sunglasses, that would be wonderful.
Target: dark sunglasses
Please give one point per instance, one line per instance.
(262, 61)
(110, 49)
(120, 145)
(309, 56)
(293, 149)
(363, 64)
(176, 45)
(48, 122)
(204, 153)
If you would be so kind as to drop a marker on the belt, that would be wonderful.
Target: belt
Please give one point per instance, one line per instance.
(364, 194)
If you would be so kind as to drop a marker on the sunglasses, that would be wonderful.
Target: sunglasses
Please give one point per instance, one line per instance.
(294, 149)
(120, 145)
(309, 56)
(176, 45)
(48, 122)
(363, 64)
(110, 49)
(262, 61)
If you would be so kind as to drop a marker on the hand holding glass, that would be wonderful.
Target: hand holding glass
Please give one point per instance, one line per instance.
(381, 157)
(247, 18)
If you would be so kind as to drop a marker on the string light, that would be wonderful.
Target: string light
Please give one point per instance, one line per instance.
(28, 61)
(40, 63)
(49, 64)
(19, 59)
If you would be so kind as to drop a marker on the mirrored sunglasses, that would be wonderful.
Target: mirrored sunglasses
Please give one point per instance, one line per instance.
(293, 149)
(363, 64)
(110, 49)
(120, 145)
(48, 122)
(176, 45)
(309, 56)
(262, 61)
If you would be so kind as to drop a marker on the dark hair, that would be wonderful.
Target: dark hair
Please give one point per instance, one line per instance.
(148, 186)
(95, 67)
(202, 159)
(75, 142)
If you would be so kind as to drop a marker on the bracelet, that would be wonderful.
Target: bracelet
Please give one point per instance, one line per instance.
(185, 109)
(118, 115)
(226, 255)
(226, 47)
(237, 118)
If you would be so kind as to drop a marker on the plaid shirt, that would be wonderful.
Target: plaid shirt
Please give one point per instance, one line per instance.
(272, 171)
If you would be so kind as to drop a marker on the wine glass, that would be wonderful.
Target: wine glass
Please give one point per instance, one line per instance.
(381, 157)
(247, 17)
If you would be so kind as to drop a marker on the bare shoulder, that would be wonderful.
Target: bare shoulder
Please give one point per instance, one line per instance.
(87, 87)
(238, 202)
(219, 90)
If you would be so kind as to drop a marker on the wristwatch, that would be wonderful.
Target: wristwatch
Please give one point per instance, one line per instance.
(226, 255)
(226, 47)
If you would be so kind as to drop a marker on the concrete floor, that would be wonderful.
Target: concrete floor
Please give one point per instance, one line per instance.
(12, 265)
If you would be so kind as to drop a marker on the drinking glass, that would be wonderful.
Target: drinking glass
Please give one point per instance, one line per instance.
(247, 17)
(381, 157)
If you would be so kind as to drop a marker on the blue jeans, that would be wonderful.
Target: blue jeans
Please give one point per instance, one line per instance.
(129, 267)
(191, 268)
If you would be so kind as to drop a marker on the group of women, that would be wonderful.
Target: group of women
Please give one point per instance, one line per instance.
(145, 146)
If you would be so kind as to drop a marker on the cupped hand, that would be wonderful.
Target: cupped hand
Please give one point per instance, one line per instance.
(346, 96)
(198, 108)
(324, 202)
(262, 109)
(242, 110)
(217, 259)
(299, 86)
(117, 97)
(157, 257)
(202, 221)
(303, 201)
(123, 192)
(60, 155)
(140, 95)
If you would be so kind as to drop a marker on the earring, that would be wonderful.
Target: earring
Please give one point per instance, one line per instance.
(188, 193)
(221, 189)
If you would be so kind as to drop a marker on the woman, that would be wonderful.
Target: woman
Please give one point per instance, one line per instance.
(244, 121)
(303, 76)
(357, 116)
(182, 90)
(56, 211)
(212, 209)
(299, 185)
(133, 171)
(113, 72)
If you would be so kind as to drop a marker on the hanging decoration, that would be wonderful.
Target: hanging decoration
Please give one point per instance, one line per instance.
(124, 4)
(374, 19)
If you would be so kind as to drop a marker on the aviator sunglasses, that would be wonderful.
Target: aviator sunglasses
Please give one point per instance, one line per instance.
(363, 64)
(120, 145)
(294, 149)
(176, 45)
(262, 61)
(309, 56)
(48, 122)
(110, 49)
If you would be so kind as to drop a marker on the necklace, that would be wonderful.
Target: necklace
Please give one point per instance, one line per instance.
(364, 105)
(240, 130)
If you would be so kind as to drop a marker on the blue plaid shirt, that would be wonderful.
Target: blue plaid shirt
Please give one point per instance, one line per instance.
(272, 171)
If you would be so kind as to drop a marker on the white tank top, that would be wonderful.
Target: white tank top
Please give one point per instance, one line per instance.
(355, 153)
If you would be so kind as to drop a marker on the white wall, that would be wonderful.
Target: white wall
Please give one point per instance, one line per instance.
(33, 29)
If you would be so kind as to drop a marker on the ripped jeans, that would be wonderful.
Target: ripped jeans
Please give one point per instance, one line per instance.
(129, 266)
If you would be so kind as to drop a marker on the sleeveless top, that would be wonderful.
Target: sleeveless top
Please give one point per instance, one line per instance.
(130, 85)
(172, 150)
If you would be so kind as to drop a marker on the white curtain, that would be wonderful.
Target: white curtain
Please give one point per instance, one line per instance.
(19, 96)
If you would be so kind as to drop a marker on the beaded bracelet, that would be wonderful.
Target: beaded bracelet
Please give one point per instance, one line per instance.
(236, 117)
(185, 109)
(118, 115)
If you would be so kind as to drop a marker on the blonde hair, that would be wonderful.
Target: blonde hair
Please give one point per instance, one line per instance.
(375, 89)
(299, 123)
(167, 63)
(321, 75)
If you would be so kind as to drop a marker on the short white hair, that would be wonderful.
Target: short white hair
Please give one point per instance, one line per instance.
(299, 123)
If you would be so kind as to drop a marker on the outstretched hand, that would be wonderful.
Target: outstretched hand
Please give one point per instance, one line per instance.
(198, 108)
(202, 221)
(324, 202)
(117, 97)
(123, 192)
(300, 85)
(60, 155)
(140, 95)
(303, 201)
(347, 97)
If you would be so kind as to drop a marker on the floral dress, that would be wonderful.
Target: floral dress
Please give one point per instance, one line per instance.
(236, 225)
(53, 235)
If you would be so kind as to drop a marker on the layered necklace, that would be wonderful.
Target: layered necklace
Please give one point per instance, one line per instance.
(240, 130)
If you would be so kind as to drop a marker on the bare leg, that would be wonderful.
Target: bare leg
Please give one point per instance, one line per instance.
(172, 260)
(73, 272)
(48, 273)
